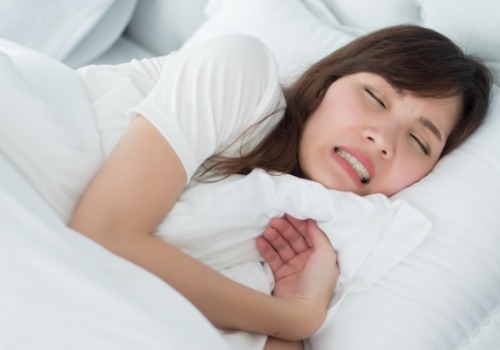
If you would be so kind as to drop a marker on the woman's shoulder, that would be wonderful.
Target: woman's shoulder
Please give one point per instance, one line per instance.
(236, 49)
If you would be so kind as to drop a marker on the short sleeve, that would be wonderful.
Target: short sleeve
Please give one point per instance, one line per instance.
(114, 89)
(210, 94)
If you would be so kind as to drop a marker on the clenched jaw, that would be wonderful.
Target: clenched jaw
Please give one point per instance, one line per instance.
(360, 169)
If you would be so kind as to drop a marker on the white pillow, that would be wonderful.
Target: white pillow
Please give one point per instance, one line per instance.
(292, 33)
(471, 24)
(53, 27)
(72, 31)
(446, 291)
(48, 130)
(103, 34)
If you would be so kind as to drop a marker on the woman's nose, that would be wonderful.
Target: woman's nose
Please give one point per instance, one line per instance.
(383, 140)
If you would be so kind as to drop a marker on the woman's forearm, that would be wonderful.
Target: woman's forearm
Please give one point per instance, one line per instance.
(227, 304)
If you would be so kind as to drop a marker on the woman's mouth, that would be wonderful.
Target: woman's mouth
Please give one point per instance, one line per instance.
(360, 169)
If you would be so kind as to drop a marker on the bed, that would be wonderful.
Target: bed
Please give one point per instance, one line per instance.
(60, 290)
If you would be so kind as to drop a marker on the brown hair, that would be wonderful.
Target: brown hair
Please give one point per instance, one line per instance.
(411, 58)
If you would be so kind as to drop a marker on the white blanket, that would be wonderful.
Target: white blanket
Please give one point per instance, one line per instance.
(59, 290)
(218, 222)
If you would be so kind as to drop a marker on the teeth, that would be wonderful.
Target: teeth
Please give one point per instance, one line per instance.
(363, 173)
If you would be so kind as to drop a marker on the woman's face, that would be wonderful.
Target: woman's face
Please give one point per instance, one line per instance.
(367, 137)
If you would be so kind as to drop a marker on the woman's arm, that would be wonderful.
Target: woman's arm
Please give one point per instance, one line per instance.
(130, 195)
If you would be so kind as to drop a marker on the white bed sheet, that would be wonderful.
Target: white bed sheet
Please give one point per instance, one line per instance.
(59, 290)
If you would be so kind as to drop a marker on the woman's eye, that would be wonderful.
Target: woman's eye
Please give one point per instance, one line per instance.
(421, 144)
(374, 97)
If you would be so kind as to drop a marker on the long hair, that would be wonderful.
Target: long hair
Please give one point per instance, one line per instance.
(411, 58)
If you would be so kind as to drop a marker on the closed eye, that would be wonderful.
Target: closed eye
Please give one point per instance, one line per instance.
(421, 144)
(374, 97)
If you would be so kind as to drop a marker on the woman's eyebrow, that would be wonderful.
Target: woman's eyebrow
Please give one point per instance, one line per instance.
(426, 122)
(431, 126)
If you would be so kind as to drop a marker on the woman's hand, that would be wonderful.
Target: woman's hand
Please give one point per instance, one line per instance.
(302, 259)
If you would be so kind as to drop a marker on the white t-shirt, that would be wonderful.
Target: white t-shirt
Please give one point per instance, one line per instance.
(202, 99)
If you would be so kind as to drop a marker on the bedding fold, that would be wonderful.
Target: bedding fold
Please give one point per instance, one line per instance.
(218, 222)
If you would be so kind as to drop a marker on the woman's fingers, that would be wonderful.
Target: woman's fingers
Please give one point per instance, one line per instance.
(286, 238)
(299, 225)
(294, 231)
(269, 254)
(279, 243)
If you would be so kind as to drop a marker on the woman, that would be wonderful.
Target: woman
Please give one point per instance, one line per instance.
(373, 117)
